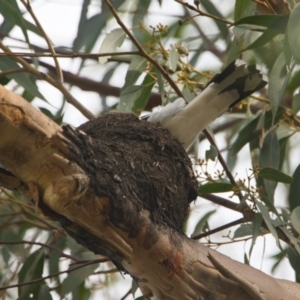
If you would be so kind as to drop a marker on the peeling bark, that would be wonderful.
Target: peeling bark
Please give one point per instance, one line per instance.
(123, 190)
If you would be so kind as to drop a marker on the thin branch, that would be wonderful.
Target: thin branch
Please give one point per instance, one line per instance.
(49, 43)
(142, 51)
(69, 97)
(102, 88)
(12, 71)
(222, 201)
(71, 55)
(204, 14)
(223, 162)
(126, 295)
(45, 246)
(204, 234)
(46, 277)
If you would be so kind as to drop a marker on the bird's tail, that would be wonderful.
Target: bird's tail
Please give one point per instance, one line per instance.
(236, 82)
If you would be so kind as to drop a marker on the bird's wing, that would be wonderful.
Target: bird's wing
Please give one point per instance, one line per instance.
(236, 82)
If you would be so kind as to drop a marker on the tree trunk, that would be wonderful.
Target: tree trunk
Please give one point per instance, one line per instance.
(122, 187)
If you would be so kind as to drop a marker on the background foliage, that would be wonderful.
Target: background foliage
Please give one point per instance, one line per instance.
(151, 52)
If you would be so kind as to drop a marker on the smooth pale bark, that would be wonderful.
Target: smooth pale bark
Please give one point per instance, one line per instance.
(170, 266)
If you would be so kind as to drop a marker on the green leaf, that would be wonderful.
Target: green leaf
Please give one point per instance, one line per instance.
(31, 269)
(282, 149)
(243, 230)
(161, 86)
(45, 293)
(295, 219)
(89, 30)
(277, 82)
(111, 42)
(294, 258)
(268, 220)
(250, 131)
(277, 22)
(137, 66)
(134, 287)
(142, 100)
(269, 158)
(296, 103)
(216, 187)
(244, 8)
(173, 58)
(76, 277)
(212, 153)
(202, 223)
(22, 78)
(257, 220)
(275, 175)
(294, 193)
(136, 97)
(293, 32)
(266, 37)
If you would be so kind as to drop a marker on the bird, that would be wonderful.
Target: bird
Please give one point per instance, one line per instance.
(185, 121)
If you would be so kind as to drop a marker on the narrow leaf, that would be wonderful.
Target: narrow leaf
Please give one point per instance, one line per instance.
(268, 220)
(278, 22)
(217, 187)
(243, 230)
(32, 269)
(269, 158)
(293, 32)
(137, 66)
(294, 193)
(295, 219)
(296, 103)
(256, 229)
(266, 37)
(22, 78)
(277, 82)
(134, 98)
(212, 153)
(275, 175)
(173, 58)
(294, 258)
(111, 42)
(202, 223)
(243, 8)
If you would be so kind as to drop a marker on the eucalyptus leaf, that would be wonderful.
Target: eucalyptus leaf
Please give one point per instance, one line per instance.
(216, 187)
(275, 175)
(294, 192)
(31, 269)
(110, 43)
(277, 82)
(295, 219)
(202, 223)
(293, 32)
(268, 220)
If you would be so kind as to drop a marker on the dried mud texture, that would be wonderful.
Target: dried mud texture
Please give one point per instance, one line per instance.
(136, 165)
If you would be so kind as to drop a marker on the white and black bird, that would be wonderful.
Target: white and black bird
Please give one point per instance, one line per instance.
(185, 121)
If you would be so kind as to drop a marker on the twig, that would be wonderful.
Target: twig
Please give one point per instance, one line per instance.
(46, 277)
(204, 14)
(204, 234)
(49, 79)
(49, 43)
(222, 201)
(42, 245)
(71, 55)
(126, 295)
(142, 51)
(223, 162)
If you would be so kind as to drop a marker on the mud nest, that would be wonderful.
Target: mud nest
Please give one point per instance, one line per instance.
(137, 165)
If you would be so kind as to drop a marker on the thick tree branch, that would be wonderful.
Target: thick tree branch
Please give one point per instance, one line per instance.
(50, 163)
